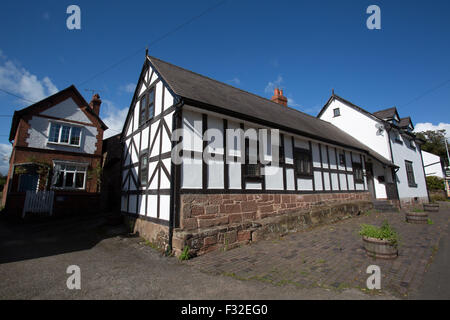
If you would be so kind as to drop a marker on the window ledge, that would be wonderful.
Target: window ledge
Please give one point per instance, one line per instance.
(63, 144)
(253, 179)
(67, 189)
(412, 185)
(305, 176)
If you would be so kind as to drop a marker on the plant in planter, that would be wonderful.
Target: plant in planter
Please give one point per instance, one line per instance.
(380, 242)
(417, 216)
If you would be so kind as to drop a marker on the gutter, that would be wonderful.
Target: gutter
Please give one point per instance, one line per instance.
(174, 179)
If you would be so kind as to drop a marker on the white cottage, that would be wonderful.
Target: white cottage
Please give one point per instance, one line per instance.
(177, 198)
(392, 137)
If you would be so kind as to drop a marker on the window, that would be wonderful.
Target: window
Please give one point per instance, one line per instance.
(54, 132)
(64, 134)
(397, 137)
(358, 172)
(69, 176)
(342, 159)
(147, 108)
(337, 112)
(143, 169)
(411, 144)
(410, 174)
(302, 162)
(252, 168)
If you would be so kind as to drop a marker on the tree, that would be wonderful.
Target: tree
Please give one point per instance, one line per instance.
(435, 183)
(434, 143)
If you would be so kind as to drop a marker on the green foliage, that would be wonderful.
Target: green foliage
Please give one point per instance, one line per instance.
(185, 254)
(438, 197)
(434, 143)
(435, 183)
(429, 221)
(385, 232)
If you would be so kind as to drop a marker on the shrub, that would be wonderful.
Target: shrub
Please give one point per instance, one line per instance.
(438, 197)
(385, 232)
(435, 183)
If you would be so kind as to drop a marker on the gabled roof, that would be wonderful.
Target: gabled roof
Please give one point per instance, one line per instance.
(382, 116)
(405, 122)
(387, 114)
(49, 102)
(216, 96)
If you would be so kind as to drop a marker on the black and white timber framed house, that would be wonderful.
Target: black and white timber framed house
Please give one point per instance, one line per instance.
(209, 204)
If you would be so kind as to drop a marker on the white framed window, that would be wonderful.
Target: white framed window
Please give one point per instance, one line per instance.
(69, 175)
(65, 134)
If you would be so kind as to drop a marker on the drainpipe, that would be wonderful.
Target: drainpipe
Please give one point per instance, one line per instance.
(394, 173)
(174, 180)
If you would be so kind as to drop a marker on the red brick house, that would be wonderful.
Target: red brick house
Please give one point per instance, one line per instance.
(57, 148)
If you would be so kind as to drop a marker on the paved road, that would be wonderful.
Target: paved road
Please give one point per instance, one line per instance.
(33, 262)
(332, 256)
(436, 283)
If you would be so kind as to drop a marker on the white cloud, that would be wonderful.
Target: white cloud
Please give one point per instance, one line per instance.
(425, 126)
(21, 82)
(272, 85)
(5, 153)
(235, 80)
(128, 88)
(113, 117)
(292, 103)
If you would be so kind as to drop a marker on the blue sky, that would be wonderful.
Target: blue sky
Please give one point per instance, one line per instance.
(305, 47)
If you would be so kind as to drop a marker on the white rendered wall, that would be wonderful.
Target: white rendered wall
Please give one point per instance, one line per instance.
(68, 110)
(402, 152)
(359, 126)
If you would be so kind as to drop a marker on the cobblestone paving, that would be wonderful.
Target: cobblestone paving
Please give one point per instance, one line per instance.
(333, 257)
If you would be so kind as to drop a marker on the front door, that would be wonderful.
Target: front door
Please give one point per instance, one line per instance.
(370, 183)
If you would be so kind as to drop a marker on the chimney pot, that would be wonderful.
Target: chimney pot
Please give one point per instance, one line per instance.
(279, 98)
(95, 104)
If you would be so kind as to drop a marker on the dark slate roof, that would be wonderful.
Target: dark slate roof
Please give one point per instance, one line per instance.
(386, 114)
(216, 96)
(19, 113)
(405, 122)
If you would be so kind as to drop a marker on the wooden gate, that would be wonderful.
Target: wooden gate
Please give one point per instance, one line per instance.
(40, 202)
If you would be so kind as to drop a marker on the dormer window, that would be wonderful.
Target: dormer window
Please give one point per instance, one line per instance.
(64, 134)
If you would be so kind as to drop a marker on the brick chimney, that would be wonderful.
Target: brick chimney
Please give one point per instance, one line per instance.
(279, 98)
(95, 104)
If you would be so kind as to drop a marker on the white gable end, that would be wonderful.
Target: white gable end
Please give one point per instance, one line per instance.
(358, 125)
(69, 110)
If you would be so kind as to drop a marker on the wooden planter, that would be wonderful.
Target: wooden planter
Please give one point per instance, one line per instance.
(417, 217)
(379, 248)
(431, 207)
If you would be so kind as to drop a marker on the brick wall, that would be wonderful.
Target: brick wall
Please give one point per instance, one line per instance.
(211, 222)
